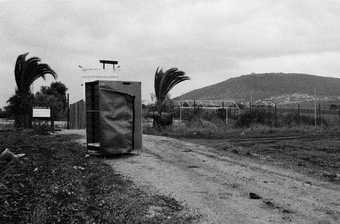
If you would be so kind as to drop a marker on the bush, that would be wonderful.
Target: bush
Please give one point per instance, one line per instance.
(255, 117)
(42, 129)
(195, 128)
(291, 119)
(265, 117)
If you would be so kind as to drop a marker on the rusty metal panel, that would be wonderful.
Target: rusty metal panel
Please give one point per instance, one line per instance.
(77, 115)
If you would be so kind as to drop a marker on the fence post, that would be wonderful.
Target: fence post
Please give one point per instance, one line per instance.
(52, 119)
(224, 112)
(180, 112)
(194, 107)
(68, 111)
(319, 112)
(315, 113)
(298, 114)
(275, 115)
(234, 114)
(227, 115)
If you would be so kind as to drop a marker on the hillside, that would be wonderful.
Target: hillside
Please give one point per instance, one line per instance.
(267, 85)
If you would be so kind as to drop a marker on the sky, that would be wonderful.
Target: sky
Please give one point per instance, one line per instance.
(210, 40)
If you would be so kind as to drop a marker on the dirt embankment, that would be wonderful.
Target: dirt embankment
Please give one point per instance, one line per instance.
(230, 190)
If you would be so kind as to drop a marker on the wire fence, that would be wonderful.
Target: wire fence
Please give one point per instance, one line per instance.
(277, 115)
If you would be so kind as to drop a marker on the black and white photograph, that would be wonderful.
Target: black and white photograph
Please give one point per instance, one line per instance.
(170, 111)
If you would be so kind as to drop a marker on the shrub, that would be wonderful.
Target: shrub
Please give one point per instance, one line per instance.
(291, 119)
(255, 116)
(265, 117)
(42, 129)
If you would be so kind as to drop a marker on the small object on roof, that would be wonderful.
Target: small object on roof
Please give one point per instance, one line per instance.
(108, 62)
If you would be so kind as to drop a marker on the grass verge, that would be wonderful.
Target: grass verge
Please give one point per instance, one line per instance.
(57, 182)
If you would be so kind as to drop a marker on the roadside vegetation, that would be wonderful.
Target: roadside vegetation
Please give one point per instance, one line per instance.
(210, 125)
(26, 72)
(210, 130)
(58, 182)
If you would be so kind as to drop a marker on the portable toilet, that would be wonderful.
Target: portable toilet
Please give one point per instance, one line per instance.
(113, 116)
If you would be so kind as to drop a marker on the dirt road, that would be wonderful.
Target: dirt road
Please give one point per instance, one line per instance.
(218, 187)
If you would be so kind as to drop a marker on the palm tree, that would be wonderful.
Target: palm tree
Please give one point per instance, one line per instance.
(26, 72)
(164, 82)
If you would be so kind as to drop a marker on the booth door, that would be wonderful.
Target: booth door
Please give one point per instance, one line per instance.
(117, 121)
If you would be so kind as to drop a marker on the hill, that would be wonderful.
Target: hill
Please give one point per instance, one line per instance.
(267, 86)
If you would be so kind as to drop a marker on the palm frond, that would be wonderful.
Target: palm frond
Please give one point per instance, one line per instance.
(19, 64)
(27, 71)
(172, 78)
(165, 81)
(156, 82)
(40, 71)
(158, 77)
(174, 82)
(33, 60)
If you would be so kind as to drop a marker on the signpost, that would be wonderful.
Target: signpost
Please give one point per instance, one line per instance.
(43, 114)
(40, 112)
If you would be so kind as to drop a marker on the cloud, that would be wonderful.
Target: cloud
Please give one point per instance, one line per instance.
(210, 40)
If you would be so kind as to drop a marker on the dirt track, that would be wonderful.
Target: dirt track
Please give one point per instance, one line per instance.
(218, 187)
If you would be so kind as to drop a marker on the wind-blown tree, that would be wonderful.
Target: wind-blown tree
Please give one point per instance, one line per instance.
(26, 72)
(164, 82)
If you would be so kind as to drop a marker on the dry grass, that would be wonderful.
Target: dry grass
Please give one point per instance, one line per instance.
(200, 128)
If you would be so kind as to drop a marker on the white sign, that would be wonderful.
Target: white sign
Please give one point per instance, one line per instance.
(42, 112)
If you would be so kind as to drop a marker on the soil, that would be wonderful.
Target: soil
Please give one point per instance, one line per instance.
(229, 186)
(58, 182)
(316, 155)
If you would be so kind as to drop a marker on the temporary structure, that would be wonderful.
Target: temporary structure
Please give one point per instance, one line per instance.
(113, 116)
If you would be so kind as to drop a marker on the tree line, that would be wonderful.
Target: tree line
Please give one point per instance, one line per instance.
(20, 105)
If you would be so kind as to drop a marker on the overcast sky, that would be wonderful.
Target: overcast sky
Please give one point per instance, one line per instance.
(209, 40)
